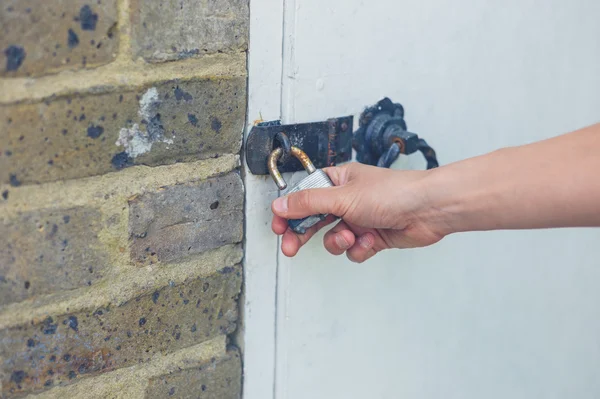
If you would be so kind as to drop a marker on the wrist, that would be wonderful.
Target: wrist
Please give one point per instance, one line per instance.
(462, 195)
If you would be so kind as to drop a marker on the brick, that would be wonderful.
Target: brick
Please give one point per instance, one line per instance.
(169, 30)
(186, 219)
(62, 349)
(50, 250)
(221, 379)
(80, 136)
(40, 37)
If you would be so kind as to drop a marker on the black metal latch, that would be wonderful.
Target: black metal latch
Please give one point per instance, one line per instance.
(326, 143)
(379, 140)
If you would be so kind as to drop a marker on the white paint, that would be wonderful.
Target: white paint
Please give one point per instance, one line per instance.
(148, 103)
(135, 141)
(480, 315)
(260, 262)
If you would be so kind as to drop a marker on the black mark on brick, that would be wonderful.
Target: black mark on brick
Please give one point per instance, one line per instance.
(121, 160)
(14, 57)
(87, 18)
(72, 40)
(226, 270)
(193, 120)
(18, 376)
(182, 95)
(48, 327)
(216, 124)
(14, 181)
(95, 131)
(73, 323)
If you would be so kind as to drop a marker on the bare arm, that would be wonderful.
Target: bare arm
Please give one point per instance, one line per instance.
(552, 183)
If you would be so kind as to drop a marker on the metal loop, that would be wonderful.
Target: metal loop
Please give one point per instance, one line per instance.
(390, 156)
(429, 154)
(285, 145)
(276, 155)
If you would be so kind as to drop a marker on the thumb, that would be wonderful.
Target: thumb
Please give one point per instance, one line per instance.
(310, 202)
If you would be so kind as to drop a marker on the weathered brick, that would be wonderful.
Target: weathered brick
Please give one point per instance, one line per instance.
(50, 250)
(221, 379)
(186, 219)
(168, 30)
(81, 136)
(40, 37)
(61, 349)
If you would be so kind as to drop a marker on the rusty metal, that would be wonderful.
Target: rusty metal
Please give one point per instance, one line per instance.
(327, 143)
(274, 169)
(382, 136)
(284, 142)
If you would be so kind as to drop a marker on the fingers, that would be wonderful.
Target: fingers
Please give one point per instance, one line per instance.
(358, 247)
(279, 225)
(292, 242)
(359, 244)
(339, 239)
(363, 248)
(366, 244)
(309, 202)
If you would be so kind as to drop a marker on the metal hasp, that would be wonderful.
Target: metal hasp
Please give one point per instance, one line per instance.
(382, 137)
(326, 143)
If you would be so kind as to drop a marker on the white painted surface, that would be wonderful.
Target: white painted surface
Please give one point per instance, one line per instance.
(257, 333)
(479, 315)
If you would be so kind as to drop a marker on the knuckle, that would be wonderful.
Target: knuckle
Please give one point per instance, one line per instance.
(351, 168)
(338, 206)
(339, 203)
(303, 199)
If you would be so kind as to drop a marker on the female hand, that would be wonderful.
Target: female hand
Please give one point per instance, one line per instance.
(380, 209)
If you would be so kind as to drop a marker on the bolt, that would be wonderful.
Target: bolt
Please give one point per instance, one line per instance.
(344, 126)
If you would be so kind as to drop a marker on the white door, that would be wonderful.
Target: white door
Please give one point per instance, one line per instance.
(479, 315)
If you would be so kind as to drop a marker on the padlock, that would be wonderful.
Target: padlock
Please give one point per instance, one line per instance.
(316, 178)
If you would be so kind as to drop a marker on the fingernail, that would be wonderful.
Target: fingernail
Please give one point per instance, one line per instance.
(366, 241)
(341, 241)
(281, 204)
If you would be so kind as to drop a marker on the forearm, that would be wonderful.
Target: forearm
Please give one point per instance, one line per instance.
(552, 183)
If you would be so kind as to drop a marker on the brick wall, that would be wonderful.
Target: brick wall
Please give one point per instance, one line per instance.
(121, 207)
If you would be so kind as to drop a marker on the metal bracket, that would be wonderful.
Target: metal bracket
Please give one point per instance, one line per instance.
(382, 137)
(326, 143)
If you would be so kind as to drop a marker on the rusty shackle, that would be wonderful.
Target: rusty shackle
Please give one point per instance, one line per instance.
(298, 154)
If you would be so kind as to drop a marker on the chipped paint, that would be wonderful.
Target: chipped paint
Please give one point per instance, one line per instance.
(136, 141)
(149, 102)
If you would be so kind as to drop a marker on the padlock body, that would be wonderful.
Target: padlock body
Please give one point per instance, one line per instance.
(317, 179)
